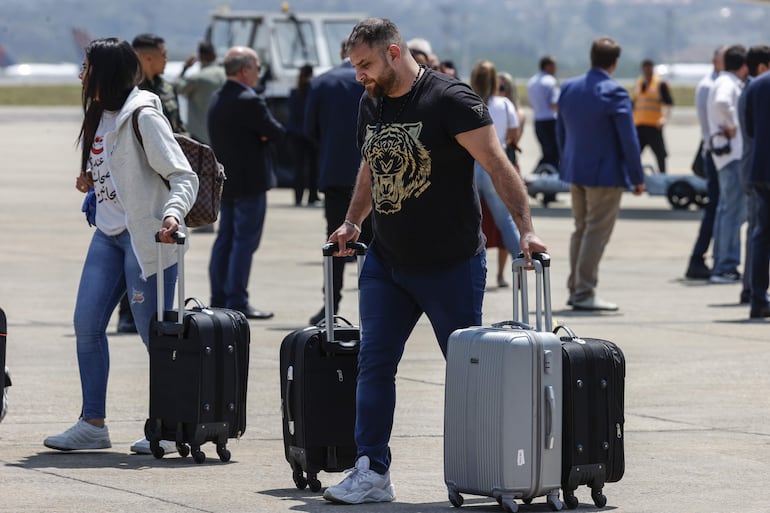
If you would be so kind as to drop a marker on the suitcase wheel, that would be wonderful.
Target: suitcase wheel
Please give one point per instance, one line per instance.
(570, 500)
(510, 506)
(299, 480)
(599, 498)
(313, 483)
(156, 449)
(183, 450)
(223, 453)
(454, 497)
(553, 501)
(198, 455)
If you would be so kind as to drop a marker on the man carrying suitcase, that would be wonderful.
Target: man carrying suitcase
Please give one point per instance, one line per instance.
(419, 133)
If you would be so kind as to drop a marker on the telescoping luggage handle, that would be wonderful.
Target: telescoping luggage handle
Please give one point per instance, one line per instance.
(180, 239)
(328, 250)
(541, 263)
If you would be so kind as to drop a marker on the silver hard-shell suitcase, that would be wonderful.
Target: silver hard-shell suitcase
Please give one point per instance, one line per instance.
(503, 410)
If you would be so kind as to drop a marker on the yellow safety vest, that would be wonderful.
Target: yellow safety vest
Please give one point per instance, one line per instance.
(648, 106)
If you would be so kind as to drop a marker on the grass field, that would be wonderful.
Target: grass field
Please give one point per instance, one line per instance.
(40, 95)
(70, 95)
(683, 96)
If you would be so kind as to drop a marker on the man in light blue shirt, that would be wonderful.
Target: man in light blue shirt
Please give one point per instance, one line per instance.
(543, 94)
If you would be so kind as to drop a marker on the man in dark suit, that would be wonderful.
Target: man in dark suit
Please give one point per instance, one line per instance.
(599, 159)
(241, 128)
(331, 111)
(758, 128)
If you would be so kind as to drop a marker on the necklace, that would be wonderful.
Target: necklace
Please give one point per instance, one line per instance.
(403, 105)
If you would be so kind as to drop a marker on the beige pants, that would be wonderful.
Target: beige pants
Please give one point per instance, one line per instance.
(595, 210)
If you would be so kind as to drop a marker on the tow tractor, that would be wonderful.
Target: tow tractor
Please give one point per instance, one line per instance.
(285, 41)
(680, 190)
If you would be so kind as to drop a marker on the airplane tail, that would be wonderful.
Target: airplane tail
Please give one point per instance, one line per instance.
(81, 38)
(5, 58)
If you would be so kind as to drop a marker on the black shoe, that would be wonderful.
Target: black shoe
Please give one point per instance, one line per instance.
(208, 228)
(760, 312)
(320, 316)
(698, 271)
(126, 324)
(745, 298)
(252, 313)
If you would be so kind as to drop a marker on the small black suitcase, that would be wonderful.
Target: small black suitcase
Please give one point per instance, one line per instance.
(593, 432)
(198, 375)
(318, 390)
(5, 379)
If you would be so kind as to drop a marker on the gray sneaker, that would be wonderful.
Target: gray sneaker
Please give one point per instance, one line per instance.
(81, 436)
(362, 485)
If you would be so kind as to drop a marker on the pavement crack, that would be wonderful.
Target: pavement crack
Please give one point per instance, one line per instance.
(423, 381)
(697, 426)
(108, 487)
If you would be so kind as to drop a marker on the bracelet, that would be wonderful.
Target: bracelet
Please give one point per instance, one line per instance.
(354, 225)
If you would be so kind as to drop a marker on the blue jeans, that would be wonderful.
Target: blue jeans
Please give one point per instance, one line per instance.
(240, 230)
(760, 246)
(110, 270)
(391, 302)
(731, 214)
(500, 213)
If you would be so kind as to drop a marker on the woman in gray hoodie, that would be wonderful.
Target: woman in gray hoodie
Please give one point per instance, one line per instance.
(139, 191)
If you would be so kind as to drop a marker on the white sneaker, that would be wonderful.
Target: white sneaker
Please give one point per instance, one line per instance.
(81, 436)
(142, 446)
(361, 485)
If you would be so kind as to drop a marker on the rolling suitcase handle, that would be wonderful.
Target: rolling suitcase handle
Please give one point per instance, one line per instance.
(328, 250)
(541, 262)
(180, 241)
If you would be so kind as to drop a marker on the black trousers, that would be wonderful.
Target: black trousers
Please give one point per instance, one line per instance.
(546, 136)
(652, 136)
(336, 202)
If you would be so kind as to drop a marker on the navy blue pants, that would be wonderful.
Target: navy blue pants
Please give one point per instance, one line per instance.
(760, 246)
(240, 230)
(391, 302)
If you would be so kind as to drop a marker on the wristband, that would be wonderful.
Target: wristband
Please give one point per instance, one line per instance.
(354, 225)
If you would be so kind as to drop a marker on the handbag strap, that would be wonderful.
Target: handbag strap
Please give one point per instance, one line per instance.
(135, 124)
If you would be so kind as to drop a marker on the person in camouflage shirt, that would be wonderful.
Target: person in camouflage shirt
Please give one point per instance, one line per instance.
(152, 54)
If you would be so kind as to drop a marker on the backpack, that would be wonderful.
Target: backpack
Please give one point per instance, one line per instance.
(211, 176)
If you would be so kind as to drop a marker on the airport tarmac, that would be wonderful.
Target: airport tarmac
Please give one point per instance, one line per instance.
(697, 436)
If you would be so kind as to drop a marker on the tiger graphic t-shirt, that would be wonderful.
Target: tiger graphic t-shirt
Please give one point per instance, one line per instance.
(425, 209)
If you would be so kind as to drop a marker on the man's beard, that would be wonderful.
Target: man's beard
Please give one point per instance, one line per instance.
(386, 84)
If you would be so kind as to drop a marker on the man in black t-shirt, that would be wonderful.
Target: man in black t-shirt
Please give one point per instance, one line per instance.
(419, 133)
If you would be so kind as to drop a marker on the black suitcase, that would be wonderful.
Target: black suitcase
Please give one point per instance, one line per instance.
(318, 390)
(198, 375)
(5, 380)
(594, 383)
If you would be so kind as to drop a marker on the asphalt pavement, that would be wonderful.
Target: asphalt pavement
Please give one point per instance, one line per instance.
(697, 407)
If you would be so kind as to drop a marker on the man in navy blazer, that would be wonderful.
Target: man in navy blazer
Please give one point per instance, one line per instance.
(599, 159)
(241, 129)
(331, 114)
(758, 127)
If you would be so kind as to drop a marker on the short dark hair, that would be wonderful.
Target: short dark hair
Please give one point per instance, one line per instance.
(735, 57)
(647, 62)
(546, 61)
(759, 54)
(376, 33)
(206, 49)
(147, 41)
(604, 53)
